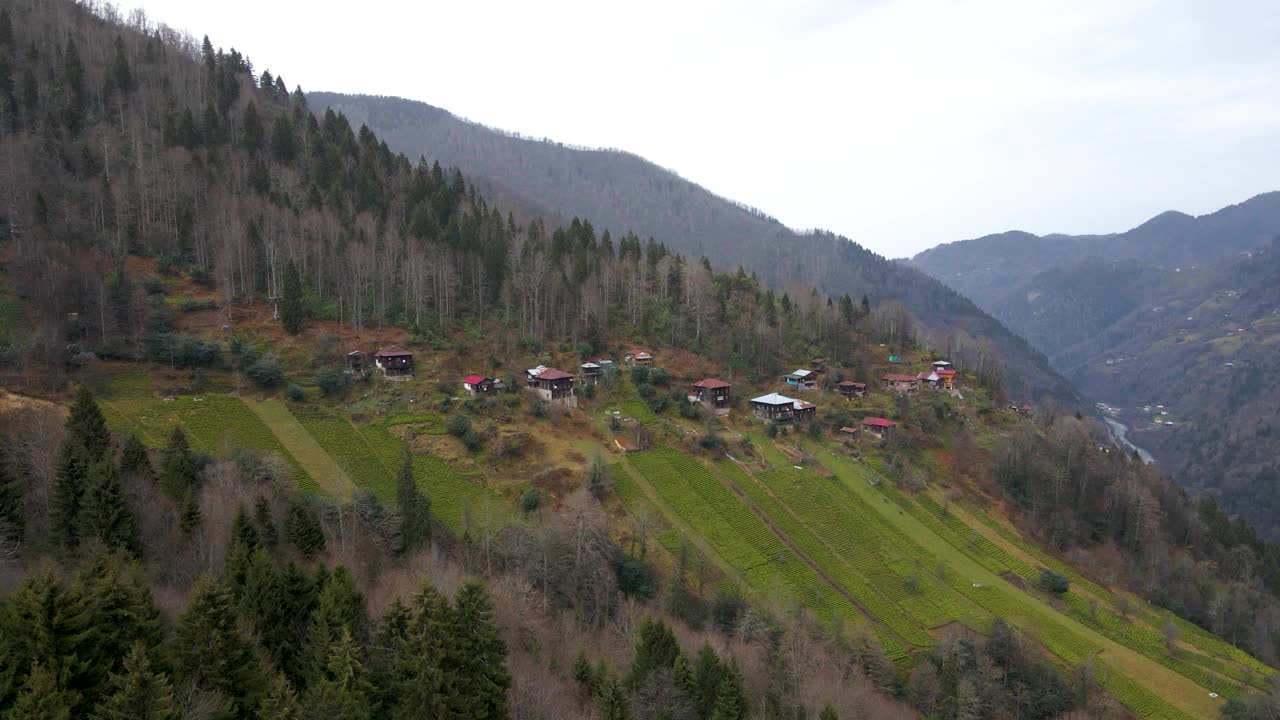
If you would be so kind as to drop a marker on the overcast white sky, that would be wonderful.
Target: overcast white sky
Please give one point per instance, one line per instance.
(898, 124)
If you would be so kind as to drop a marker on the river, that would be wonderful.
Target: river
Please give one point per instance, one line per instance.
(1120, 432)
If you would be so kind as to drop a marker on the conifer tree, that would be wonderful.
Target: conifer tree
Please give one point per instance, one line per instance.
(343, 691)
(11, 516)
(339, 609)
(262, 603)
(417, 674)
(415, 508)
(6, 28)
(121, 75)
(390, 631)
(612, 703)
(682, 676)
(70, 478)
(189, 516)
(265, 523)
(476, 658)
(828, 713)
(121, 612)
(44, 697)
(137, 693)
(656, 650)
(251, 129)
(104, 514)
(209, 649)
(304, 529)
(284, 141)
(49, 622)
(243, 532)
(731, 698)
(280, 702)
(87, 426)
(584, 675)
(178, 473)
(134, 458)
(73, 81)
(291, 313)
(707, 673)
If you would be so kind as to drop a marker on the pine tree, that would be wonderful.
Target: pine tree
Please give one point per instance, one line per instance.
(284, 141)
(304, 529)
(121, 612)
(682, 676)
(49, 622)
(104, 514)
(266, 524)
(612, 703)
(415, 508)
(731, 698)
(584, 675)
(342, 693)
(73, 81)
(189, 515)
(44, 697)
(11, 496)
(280, 703)
(262, 603)
(70, 478)
(243, 532)
(209, 649)
(656, 650)
(87, 426)
(178, 473)
(120, 73)
(391, 630)
(251, 129)
(134, 458)
(418, 678)
(138, 693)
(291, 312)
(339, 609)
(477, 657)
(707, 673)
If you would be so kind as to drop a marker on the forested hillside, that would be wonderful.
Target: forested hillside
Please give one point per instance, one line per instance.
(626, 193)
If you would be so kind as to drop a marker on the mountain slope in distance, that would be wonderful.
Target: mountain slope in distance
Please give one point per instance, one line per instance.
(623, 192)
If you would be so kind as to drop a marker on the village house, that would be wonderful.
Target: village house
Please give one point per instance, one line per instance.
(851, 389)
(590, 373)
(782, 409)
(481, 385)
(554, 386)
(930, 380)
(640, 357)
(395, 363)
(803, 379)
(948, 378)
(713, 393)
(848, 434)
(878, 426)
(355, 361)
(819, 365)
(941, 365)
(901, 383)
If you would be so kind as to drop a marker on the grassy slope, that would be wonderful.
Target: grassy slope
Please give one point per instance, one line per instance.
(300, 443)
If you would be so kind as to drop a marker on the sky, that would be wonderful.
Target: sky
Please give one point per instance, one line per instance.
(898, 124)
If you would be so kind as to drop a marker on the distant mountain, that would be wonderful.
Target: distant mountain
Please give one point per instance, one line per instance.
(625, 193)
(992, 268)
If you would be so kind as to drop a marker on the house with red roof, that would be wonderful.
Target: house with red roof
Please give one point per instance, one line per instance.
(481, 385)
(554, 386)
(878, 426)
(395, 363)
(713, 393)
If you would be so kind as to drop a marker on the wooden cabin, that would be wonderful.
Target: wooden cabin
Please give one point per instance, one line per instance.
(554, 386)
(948, 378)
(590, 372)
(713, 393)
(640, 357)
(356, 361)
(802, 379)
(782, 409)
(481, 385)
(851, 389)
(819, 365)
(878, 426)
(394, 363)
(941, 365)
(907, 384)
(848, 433)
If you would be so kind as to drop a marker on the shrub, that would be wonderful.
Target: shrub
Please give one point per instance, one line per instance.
(639, 375)
(1053, 582)
(296, 393)
(331, 382)
(459, 425)
(646, 391)
(589, 392)
(659, 377)
(266, 371)
(531, 500)
(712, 441)
(471, 440)
(636, 578)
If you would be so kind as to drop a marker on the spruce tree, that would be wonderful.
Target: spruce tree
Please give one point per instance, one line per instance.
(304, 529)
(137, 693)
(263, 605)
(682, 676)
(135, 460)
(828, 713)
(209, 649)
(415, 508)
(390, 631)
(584, 675)
(707, 673)
(87, 426)
(418, 676)
(265, 522)
(280, 702)
(339, 609)
(121, 76)
(343, 692)
(44, 697)
(284, 141)
(656, 650)
(104, 514)
(11, 495)
(121, 612)
(49, 622)
(477, 658)
(178, 473)
(731, 698)
(243, 532)
(70, 477)
(251, 129)
(291, 313)
(612, 702)
(189, 516)
(73, 81)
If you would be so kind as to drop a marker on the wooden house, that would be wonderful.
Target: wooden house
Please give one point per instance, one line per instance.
(930, 380)
(640, 357)
(907, 384)
(782, 409)
(941, 365)
(848, 434)
(554, 386)
(590, 372)
(713, 393)
(819, 365)
(356, 361)
(802, 379)
(948, 377)
(851, 389)
(481, 385)
(878, 426)
(394, 363)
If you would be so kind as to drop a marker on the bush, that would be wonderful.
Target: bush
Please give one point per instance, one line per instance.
(459, 425)
(589, 392)
(331, 382)
(726, 611)
(646, 391)
(712, 441)
(266, 371)
(1053, 582)
(637, 578)
(639, 375)
(295, 393)
(471, 440)
(659, 377)
(531, 500)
